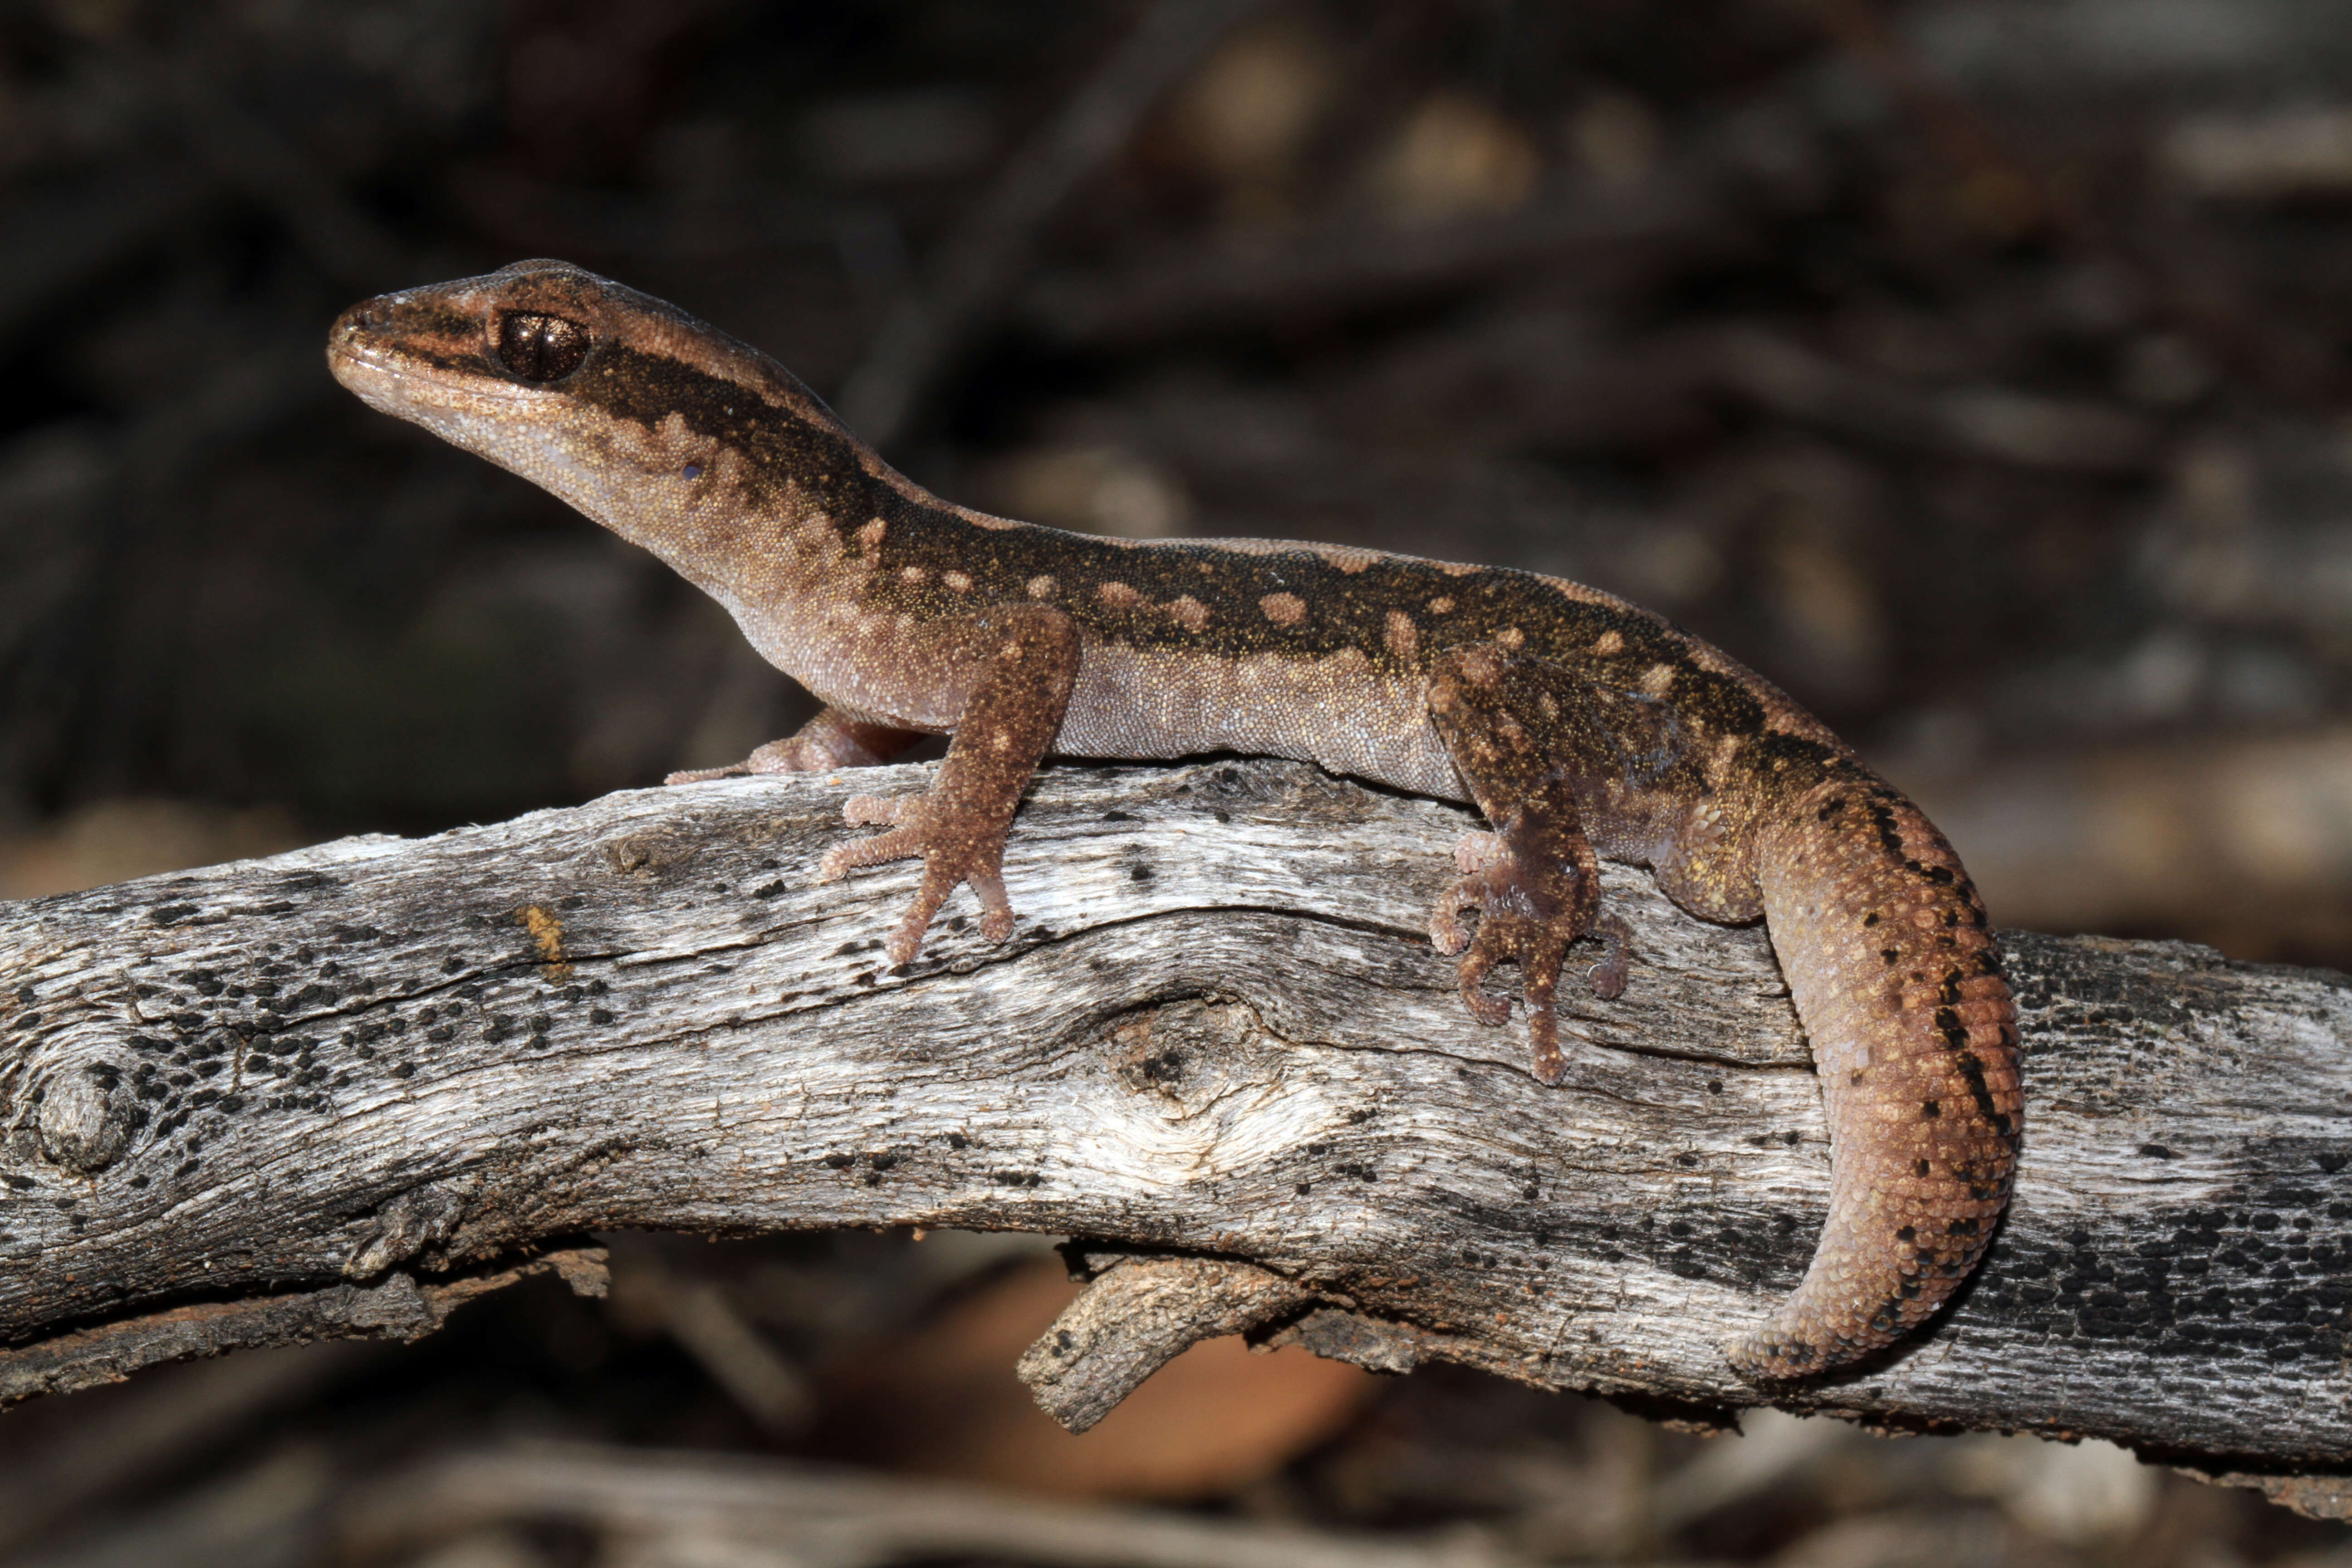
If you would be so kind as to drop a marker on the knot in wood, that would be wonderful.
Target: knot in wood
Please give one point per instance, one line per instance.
(83, 1122)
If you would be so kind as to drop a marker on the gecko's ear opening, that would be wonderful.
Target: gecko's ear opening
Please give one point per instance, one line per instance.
(539, 347)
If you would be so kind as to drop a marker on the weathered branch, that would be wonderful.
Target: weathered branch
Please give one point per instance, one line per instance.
(1219, 1033)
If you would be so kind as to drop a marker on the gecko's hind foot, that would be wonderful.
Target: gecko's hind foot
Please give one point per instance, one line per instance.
(1528, 915)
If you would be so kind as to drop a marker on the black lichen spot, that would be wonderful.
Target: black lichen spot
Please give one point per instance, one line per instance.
(768, 890)
(405, 1070)
(1922, 1168)
(1139, 874)
(600, 1014)
(838, 1162)
(1930, 1110)
(958, 1140)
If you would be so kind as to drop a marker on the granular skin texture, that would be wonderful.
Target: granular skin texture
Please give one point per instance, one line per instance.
(1576, 722)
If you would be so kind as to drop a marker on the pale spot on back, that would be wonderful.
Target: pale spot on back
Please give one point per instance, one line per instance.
(1609, 642)
(912, 575)
(870, 536)
(1348, 558)
(1442, 606)
(1401, 635)
(1189, 613)
(1041, 586)
(1284, 609)
(1511, 636)
(1657, 681)
(958, 580)
(1117, 595)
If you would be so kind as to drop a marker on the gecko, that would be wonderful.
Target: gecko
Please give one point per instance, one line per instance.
(1577, 723)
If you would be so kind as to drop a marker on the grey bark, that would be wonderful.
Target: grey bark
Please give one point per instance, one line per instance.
(294, 1090)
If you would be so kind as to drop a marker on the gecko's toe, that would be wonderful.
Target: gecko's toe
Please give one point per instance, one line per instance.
(875, 810)
(1543, 1036)
(704, 776)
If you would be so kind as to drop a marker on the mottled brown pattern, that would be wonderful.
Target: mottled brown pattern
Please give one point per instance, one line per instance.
(1576, 721)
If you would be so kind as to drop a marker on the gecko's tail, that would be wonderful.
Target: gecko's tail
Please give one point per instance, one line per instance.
(1898, 984)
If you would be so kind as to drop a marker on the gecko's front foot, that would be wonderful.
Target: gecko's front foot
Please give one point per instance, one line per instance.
(1028, 660)
(953, 850)
(829, 740)
(785, 756)
(1530, 913)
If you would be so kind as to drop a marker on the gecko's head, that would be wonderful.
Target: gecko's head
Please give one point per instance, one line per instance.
(510, 344)
(625, 406)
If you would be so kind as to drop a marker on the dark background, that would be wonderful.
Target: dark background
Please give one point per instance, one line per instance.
(1976, 371)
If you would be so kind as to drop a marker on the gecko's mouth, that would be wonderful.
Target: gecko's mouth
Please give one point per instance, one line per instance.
(388, 379)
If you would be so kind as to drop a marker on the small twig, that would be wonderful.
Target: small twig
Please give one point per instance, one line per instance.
(397, 1308)
(1137, 1316)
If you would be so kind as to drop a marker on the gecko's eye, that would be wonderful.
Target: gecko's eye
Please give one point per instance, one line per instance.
(539, 347)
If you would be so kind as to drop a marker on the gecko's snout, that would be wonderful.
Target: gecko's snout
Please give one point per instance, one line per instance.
(362, 326)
